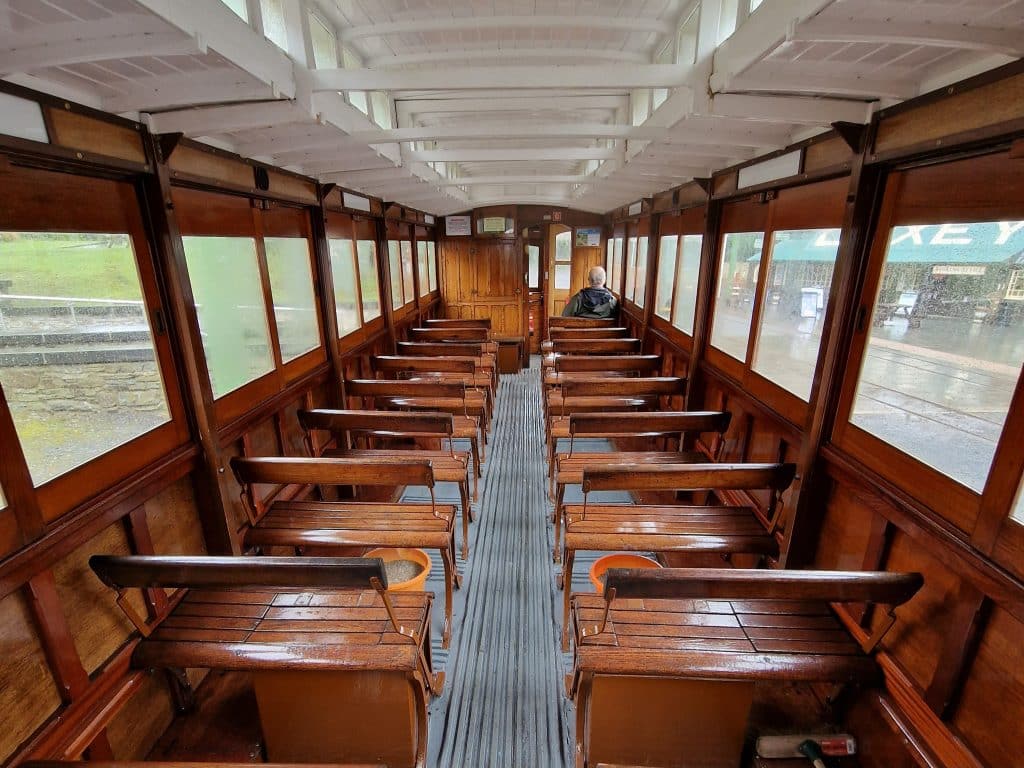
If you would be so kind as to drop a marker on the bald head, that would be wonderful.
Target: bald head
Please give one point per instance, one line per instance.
(596, 277)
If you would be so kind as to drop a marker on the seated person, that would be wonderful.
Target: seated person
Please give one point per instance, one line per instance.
(595, 301)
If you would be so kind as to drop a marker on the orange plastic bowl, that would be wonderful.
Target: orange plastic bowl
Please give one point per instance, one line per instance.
(617, 560)
(416, 583)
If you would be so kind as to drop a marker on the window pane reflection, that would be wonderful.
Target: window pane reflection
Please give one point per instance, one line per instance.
(291, 285)
(77, 357)
(796, 293)
(432, 265)
(533, 260)
(369, 284)
(946, 344)
(685, 306)
(616, 283)
(737, 285)
(407, 272)
(228, 293)
(630, 268)
(421, 267)
(343, 275)
(640, 292)
(395, 271)
(666, 276)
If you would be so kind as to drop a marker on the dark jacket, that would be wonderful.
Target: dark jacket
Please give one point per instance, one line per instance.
(597, 303)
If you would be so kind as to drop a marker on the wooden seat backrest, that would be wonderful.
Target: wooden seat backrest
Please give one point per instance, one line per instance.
(465, 322)
(449, 334)
(557, 334)
(624, 387)
(581, 322)
(751, 584)
(689, 477)
(410, 363)
(170, 764)
(440, 349)
(384, 471)
(378, 422)
(602, 363)
(120, 572)
(401, 388)
(596, 346)
(658, 423)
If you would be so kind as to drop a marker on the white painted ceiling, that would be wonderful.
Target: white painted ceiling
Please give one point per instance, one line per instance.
(526, 101)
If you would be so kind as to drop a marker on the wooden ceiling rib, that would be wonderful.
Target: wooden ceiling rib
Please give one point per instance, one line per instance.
(482, 85)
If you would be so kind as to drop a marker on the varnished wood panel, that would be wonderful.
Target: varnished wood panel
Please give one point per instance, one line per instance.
(989, 714)
(174, 521)
(484, 278)
(140, 723)
(844, 533)
(77, 131)
(826, 154)
(191, 161)
(28, 694)
(98, 626)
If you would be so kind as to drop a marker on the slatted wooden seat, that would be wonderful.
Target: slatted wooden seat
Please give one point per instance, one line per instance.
(666, 660)
(604, 394)
(590, 347)
(567, 468)
(569, 367)
(461, 333)
(448, 465)
(583, 334)
(580, 322)
(485, 355)
(341, 669)
(422, 395)
(661, 528)
(286, 522)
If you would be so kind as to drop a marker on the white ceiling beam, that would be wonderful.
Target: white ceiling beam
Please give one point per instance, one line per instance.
(958, 36)
(456, 24)
(315, 140)
(677, 149)
(506, 54)
(809, 78)
(317, 156)
(696, 132)
(516, 129)
(67, 52)
(232, 38)
(345, 166)
(454, 103)
(504, 180)
(212, 86)
(758, 35)
(498, 154)
(204, 121)
(120, 25)
(789, 109)
(593, 77)
(364, 177)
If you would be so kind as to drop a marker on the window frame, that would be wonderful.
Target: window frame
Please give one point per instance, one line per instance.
(684, 223)
(78, 212)
(401, 232)
(913, 195)
(424, 236)
(344, 226)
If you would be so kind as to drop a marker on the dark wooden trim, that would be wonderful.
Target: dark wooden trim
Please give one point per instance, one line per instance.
(960, 642)
(230, 431)
(16, 479)
(55, 636)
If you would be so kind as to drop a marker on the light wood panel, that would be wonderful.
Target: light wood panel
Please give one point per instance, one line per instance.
(484, 278)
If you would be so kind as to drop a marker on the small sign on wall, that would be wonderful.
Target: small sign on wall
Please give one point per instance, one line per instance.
(458, 226)
(588, 237)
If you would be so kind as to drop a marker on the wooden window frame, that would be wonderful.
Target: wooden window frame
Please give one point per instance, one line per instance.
(344, 226)
(69, 203)
(685, 223)
(990, 190)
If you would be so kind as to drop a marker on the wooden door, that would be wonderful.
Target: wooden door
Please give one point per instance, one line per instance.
(485, 278)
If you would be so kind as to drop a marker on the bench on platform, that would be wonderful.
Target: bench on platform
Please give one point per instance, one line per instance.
(299, 524)
(341, 668)
(674, 527)
(666, 660)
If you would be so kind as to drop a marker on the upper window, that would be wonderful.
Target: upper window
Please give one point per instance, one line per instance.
(796, 292)
(665, 280)
(274, 27)
(78, 361)
(684, 307)
(640, 292)
(432, 265)
(240, 7)
(740, 258)
(356, 98)
(945, 345)
(228, 293)
(324, 43)
(563, 247)
(630, 268)
(381, 109)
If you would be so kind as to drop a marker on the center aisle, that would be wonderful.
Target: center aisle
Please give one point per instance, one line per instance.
(503, 702)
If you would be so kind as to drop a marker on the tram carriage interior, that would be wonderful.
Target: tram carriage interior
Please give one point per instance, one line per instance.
(300, 461)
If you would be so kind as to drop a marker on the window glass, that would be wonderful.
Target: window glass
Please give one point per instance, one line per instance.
(432, 265)
(239, 7)
(1016, 514)
(77, 359)
(533, 259)
(421, 266)
(641, 272)
(395, 270)
(630, 268)
(609, 255)
(945, 345)
(291, 285)
(381, 109)
(407, 271)
(563, 247)
(617, 267)
(324, 43)
(685, 305)
(666, 276)
(369, 283)
(274, 27)
(737, 285)
(228, 293)
(356, 98)
(343, 275)
(3, 499)
(799, 276)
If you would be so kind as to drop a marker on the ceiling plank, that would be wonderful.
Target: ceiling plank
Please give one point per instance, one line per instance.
(958, 36)
(511, 129)
(505, 54)
(456, 24)
(80, 51)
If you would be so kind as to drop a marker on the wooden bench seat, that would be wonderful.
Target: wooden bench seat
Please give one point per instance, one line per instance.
(341, 668)
(450, 397)
(581, 322)
(615, 526)
(590, 347)
(580, 334)
(603, 395)
(344, 523)
(459, 322)
(454, 368)
(666, 660)
(573, 367)
(485, 355)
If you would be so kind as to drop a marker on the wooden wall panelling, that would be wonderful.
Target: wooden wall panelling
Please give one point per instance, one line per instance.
(75, 130)
(29, 694)
(135, 728)
(173, 519)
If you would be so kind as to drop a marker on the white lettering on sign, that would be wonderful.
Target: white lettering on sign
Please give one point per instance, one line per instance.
(1006, 229)
(912, 233)
(945, 235)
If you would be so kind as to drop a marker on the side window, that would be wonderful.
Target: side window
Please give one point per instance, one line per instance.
(533, 269)
(343, 275)
(422, 267)
(395, 270)
(739, 260)
(369, 283)
(616, 280)
(688, 273)
(291, 285)
(665, 280)
(640, 292)
(630, 268)
(408, 268)
(432, 264)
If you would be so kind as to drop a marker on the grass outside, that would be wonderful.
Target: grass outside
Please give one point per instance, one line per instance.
(86, 266)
